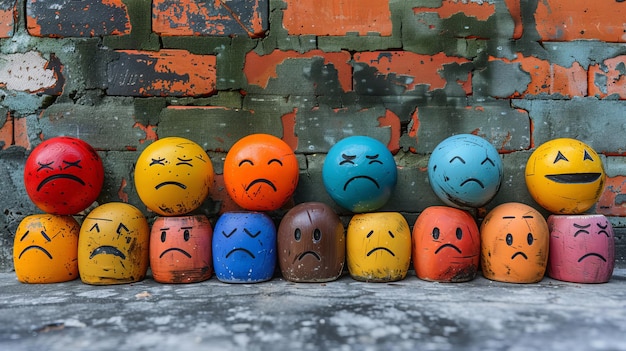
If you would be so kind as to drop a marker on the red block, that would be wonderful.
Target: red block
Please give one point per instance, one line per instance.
(566, 20)
(210, 18)
(548, 78)
(608, 78)
(162, 73)
(84, 18)
(410, 69)
(337, 17)
(8, 15)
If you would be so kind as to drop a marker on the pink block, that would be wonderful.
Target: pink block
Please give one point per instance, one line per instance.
(582, 248)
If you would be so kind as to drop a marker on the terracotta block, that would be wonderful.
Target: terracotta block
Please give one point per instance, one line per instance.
(608, 78)
(82, 18)
(565, 20)
(337, 17)
(8, 15)
(210, 18)
(260, 69)
(456, 19)
(32, 73)
(408, 70)
(612, 201)
(162, 73)
(514, 8)
(548, 78)
(6, 131)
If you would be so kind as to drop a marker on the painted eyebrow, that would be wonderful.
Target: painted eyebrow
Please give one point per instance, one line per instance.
(601, 226)
(457, 157)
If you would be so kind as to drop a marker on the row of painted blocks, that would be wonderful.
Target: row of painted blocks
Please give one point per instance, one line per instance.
(115, 245)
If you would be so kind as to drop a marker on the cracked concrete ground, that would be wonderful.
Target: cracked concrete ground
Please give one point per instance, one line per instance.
(342, 315)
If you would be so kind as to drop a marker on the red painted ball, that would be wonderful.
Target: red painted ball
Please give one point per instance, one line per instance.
(63, 175)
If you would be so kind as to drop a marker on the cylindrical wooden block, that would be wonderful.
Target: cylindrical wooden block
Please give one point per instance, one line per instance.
(582, 248)
(446, 245)
(180, 249)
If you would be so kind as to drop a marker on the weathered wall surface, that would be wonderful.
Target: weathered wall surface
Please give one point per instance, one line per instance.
(120, 74)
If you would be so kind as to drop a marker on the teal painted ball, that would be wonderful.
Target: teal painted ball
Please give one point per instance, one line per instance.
(359, 174)
(465, 171)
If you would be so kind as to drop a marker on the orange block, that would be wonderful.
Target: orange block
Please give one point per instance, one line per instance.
(608, 78)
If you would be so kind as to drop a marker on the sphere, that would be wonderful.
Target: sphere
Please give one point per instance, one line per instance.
(173, 176)
(261, 172)
(63, 175)
(565, 176)
(465, 171)
(359, 174)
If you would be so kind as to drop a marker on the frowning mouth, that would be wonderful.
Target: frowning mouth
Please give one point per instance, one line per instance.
(448, 245)
(240, 249)
(175, 249)
(474, 180)
(361, 177)
(107, 250)
(35, 247)
(180, 185)
(380, 248)
(304, 254)
(592, 254)
(520, 254)
(574, 178)
(60, 176)
(261, 180)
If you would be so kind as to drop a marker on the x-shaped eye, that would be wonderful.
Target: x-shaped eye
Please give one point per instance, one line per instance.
(45, 165)
(158, 161)
(347, 159)
(69, 164)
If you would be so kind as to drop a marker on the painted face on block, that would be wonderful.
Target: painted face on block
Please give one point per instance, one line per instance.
(582, 248)
(45, 249)
(180, 249)
(446, 245)
(63, 175)
(113, 245)
(359, 174)
(173, 176)
(261, 172)
(244, 247)
(311, 243)
(514, 244)
(378, 247)
(465, 171)
(565, 176)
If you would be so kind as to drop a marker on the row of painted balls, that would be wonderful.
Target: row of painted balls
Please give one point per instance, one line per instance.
(115, 245)
(173, 175)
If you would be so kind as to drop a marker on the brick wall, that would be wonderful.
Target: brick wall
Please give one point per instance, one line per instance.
(120, 74)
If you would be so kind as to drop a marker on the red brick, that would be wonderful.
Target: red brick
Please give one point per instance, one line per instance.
(548, 78)
(566, 20)
(215, 18)
(411, 69)
(85, 18)
(6, 132)
(608, 78)
(30, 72)
(337, 17)
(260, 69)
(162, 73)
(611, 201)
(8, 15)
(516, 14)
(480, 10)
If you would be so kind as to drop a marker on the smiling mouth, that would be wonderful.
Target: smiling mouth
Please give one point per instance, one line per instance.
(240, 249)
(574, 178)
(60, 176)
(261, 180)
(312, 253)
(380, 248)
(180, 185)
(35, 247)
(592, 254)
(107, 250)
(519, 253)
(175, 249)
(473, 180)
(358, 177)
(448, 245)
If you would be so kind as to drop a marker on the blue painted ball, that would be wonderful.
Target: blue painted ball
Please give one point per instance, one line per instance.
(359, 174)
(244, 247)
(465, 171)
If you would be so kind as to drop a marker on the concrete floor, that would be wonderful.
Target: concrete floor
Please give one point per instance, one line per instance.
(341, 315)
